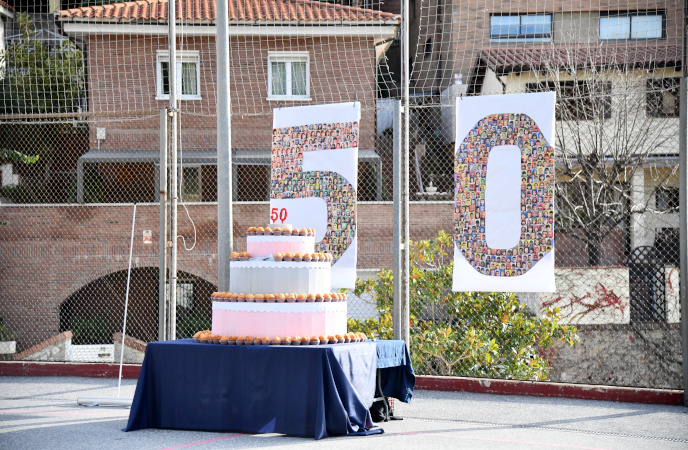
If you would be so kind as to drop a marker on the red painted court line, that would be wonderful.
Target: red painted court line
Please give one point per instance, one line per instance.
(13, 411)
(509, 441)
(203, 442)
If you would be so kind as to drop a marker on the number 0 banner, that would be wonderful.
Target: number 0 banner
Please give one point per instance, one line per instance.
(504, 193)
(314, 179)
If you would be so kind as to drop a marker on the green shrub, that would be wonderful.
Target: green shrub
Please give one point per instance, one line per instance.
(90, 330)
(190, 324)
(5, 333)
(463, 334)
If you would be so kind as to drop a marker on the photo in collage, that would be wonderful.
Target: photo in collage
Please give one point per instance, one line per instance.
(289, 181)
(536, 198)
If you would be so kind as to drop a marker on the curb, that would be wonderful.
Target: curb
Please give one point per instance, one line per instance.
(61, 369)
(547, 389)
(423, 382)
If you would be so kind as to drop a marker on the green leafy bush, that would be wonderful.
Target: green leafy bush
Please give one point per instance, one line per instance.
(5, 333)
(90, 330)
(467, 334)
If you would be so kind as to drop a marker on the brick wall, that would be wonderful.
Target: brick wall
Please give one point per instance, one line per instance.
(122, 88)
(48, 253)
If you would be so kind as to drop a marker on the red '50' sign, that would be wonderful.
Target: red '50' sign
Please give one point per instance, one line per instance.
(277, 213)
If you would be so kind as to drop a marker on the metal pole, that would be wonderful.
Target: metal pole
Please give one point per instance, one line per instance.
(405, 76)
(126, 303)
(172, 113)
(397, 231)
(162, 245)
(683, 225)
(224, 151)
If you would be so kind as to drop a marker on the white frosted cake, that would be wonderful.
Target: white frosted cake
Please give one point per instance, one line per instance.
(280, 294)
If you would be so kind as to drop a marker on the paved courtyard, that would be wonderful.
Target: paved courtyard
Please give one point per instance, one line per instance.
(42, 413)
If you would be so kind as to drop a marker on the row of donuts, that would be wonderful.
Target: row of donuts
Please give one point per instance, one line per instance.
(287, 256)
(278, 298)
(207, 337)
(279, 231)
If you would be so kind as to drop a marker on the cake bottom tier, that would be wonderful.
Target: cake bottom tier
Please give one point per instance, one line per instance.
(279, 319)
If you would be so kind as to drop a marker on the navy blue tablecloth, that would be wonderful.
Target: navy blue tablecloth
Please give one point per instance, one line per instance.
(396, 372)
(296, 390)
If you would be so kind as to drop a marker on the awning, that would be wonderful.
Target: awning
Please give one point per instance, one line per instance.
(260, 157)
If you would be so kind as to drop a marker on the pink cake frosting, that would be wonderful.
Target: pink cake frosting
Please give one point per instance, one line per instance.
(278, 319)
(258, 246)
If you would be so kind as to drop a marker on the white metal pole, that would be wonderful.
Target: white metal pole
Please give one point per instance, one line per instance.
(126, 301)
(172, 113)
(405, 76)
(397, 232)
(224, 151)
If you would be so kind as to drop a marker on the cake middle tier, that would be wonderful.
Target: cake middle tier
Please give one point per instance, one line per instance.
(262, 245)
(268, 277)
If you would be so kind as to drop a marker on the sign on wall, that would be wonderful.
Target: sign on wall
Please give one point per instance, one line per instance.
(314, 178)
(504, 193)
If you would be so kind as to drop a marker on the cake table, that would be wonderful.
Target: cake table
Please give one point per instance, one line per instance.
(312, 391)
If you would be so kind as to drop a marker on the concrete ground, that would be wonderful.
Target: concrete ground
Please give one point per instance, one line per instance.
(42, 413)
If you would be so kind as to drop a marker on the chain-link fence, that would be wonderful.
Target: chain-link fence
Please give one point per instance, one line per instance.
(83, 90)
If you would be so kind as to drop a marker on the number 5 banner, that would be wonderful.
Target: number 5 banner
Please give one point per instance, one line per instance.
(504, 193)
(314, 179)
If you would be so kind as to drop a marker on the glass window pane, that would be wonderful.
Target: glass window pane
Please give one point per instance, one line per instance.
(189, 79)
(191, 184)
(646, 27)
(615, 27)
(536, 25)
(298, 78)
(165, 77)
(504, 26)
(279, 78)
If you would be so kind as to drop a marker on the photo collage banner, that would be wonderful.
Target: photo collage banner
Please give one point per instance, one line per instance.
(314, 171)
(504, 193)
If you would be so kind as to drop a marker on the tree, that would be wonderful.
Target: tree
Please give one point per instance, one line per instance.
(458, 333)
(39, 80)
(612, 114)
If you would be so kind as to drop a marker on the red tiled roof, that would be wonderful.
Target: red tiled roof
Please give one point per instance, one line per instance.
(205, 11)
(508, 58)
(6, 5)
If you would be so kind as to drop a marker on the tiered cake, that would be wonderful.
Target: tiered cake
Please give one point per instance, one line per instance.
(279, 289)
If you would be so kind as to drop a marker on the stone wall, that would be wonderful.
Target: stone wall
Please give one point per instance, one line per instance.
(647, 355)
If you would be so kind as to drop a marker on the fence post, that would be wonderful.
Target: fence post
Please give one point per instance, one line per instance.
(405, 80)
(397, 232)
(162, 244)
(172, 113)
(683, 229)
(224, 151)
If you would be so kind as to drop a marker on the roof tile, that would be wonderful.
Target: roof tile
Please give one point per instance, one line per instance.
(509, 58)
(203, 11)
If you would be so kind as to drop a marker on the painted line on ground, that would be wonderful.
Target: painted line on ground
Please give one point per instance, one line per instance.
(66, 413)
(207, 441)
(509, 441)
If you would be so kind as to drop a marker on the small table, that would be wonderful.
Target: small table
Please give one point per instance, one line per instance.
(394, 376)
(312, 391)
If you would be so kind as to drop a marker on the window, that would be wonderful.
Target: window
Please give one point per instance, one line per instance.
(666, 199)
(427, 51)
(521, 28)
(185, 294)
(662, 97)
(188, 75)
(190, 184)
(579, 100)
(288, 76)
(637, 25)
